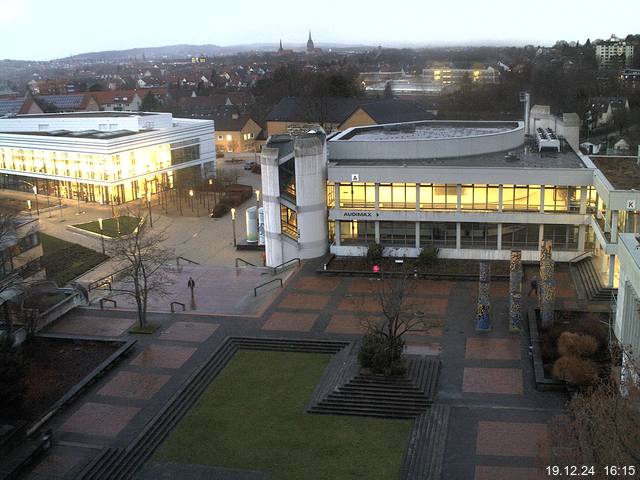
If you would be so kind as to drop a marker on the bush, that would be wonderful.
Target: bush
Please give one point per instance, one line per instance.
(574, 370)
(428, 256)
(12, 383)
(374, 355)
(374, 253)
(220, 210)
(575, 344)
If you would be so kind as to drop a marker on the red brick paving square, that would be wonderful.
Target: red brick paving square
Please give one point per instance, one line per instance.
(430, 306)
(484, 472)
(305, 301)
(293, 322)
(364, 285)
(493, 380)
(163, 356)
(316, 284)
(189, 331)
(349, 323)
(511, 439)
(94, 326)
(99, 419)
(369, 304)
(493, 348)
(433, 287)
(139, 386)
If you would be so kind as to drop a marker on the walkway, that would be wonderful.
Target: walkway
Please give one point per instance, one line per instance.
(498, 425)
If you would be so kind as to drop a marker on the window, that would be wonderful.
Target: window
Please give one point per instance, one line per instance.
(592, 200)
(229, 137)
(438, 234)
(356, 232)
(357, 195)
(220, 137)
(479, 197)
(520, 236)
(186, 151)
(479, 235)
(397, 196)
(287, 175)
(561, 199)
(438, 197)
(289, 222)
(521, 198)
(398, 234)
(29, 242)
(331, 195)
(563, 237)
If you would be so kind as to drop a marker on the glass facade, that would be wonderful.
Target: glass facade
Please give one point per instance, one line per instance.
(356, 232)
(480, 197)
(438, 197)
(524, 236)
(287, 176)
(438, 234)
(398, 234)
(358, 195)
(397, 196)
(561, 199)
(564, 237)
(479, 235)
(289, 222)
(521, 198)
(331, 195)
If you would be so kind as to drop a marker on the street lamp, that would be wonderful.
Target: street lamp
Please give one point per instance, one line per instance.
(101, 234)
(191, 198)
(258, 213)
(35, 192)
(233, 225)
(149, 207)
(29, 206)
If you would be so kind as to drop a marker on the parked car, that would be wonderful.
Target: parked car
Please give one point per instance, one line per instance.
(250, 165)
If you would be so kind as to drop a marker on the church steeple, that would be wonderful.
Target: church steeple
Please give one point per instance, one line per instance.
(280, 49)
(310, 46)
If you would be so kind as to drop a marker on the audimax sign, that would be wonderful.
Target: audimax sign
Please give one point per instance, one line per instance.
(360, 214)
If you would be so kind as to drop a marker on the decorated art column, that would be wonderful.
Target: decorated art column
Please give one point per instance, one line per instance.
(547, 285)
(515, 291)
(483, 322)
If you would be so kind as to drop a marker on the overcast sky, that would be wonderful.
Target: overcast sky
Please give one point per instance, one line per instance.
(46, 29)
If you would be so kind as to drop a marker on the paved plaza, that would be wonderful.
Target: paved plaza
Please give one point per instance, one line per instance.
(499, 423)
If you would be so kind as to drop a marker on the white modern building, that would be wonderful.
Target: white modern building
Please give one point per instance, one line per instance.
(608, 50)
(105, 157)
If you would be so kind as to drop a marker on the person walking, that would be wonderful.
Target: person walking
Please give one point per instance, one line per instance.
(534, 286)
(191, 283)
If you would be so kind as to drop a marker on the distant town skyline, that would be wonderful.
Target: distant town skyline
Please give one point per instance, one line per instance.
(43, 30)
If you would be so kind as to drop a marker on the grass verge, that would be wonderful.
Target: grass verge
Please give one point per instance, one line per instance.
(112, 227)
(65, 261)
(252, 417)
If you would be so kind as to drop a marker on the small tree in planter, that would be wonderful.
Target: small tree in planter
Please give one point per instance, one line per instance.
(383, 343)
(374, 254)
(427, 257)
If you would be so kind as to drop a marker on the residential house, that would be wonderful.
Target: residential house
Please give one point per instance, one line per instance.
(73, 102)
(602, 109)
(236, 132)
(14, 105)
(118, 100)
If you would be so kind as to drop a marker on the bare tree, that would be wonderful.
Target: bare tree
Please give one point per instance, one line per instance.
(384, 338)
(602, 424)
(8, 218)
(144, 263)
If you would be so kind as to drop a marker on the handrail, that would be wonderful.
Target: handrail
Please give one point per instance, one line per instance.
(186, 260)
(177, 303)
(102, 300)
(255, 290)
(105, 282)
(238, 259)
(110, 278)
(583, 254)
(284, 264)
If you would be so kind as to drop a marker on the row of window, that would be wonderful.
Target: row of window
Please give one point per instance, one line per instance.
(479, 197)
(472, 235)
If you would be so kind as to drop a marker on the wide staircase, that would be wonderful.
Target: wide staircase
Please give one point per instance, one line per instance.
(378, 396)
(588, 276)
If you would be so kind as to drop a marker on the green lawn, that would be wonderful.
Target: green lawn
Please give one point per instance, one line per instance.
(252, 417)
(110, 226)
(65, 261)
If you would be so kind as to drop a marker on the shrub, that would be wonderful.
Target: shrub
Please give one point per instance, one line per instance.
(12, 375)
(374, 253)
(220, 210)
(374, 354)
(428, 256)
(576, 344)
(574, 370)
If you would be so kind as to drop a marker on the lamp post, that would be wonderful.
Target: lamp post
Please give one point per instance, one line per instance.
(258, 214)
(101, 234)
(29, 206)
(233, 225)
(191, 198)
(35, 192)
(149, 207)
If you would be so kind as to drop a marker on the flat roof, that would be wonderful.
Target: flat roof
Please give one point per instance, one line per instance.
(522, 157)
(427, 130)
(622, 172)
(94, 134)
(105, 114)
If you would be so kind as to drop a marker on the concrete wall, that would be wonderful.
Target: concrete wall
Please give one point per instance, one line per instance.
(274, 248)
(75, 123)
(627, 321)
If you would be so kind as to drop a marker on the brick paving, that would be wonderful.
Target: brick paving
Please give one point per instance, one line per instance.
(498, 423)
(291, 322)
(507, 381)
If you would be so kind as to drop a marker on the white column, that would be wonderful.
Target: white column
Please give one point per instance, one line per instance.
(271, 205)
(612, 270)
(614, 226)
(542, 199)
(417, 234)
(499, 236)
(377, 232)
(583, 200)
(458, 235)
(337, 234)
(540, 235)
(458, 195)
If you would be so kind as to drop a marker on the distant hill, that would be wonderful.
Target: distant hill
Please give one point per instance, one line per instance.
(184, 51)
